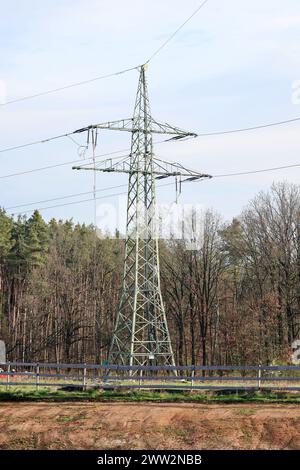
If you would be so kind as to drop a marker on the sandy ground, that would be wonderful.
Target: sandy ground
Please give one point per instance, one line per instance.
(148, 426)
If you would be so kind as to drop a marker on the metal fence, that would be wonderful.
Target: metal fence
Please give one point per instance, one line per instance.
(111, 377)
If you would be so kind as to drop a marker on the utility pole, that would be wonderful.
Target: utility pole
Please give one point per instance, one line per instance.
(141, 335)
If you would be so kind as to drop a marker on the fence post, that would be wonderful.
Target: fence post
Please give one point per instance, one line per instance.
(193, 375)
(259, 377)
(8, 376)
(37, 376)
(84, 377)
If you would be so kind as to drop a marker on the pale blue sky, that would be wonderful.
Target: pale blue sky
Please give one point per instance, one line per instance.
(233, 65)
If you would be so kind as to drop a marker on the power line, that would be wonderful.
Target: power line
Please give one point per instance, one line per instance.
(241, 173)
(263, 170)
(177, 30)
(48, 167)
(252, 128)
(72, 85)
(214, 133)
(100, 77)
(201, 134)
(66, 197)
(43, 141)
(74, 195)
(77, 202)
(56, 165)
(70, 203)
(48, 139)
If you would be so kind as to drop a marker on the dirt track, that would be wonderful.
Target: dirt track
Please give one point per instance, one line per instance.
(148, 426)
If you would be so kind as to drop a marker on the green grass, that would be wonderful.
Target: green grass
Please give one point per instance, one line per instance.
(70, 419)
(21, 394)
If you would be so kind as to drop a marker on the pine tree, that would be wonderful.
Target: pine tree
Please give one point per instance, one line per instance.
(37, 240)
(6, 242)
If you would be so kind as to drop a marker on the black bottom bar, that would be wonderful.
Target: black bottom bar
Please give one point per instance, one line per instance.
(142, 459)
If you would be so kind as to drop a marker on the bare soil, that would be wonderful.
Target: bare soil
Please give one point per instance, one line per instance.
(148, 426)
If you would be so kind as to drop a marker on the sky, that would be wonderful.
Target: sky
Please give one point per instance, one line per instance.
(235, 64)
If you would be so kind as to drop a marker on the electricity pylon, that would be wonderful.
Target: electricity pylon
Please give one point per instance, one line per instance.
(141, 334)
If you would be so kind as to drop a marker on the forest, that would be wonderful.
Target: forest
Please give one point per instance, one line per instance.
(234, 300)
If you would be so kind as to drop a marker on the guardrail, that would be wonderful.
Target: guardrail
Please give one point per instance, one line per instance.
(83, 376)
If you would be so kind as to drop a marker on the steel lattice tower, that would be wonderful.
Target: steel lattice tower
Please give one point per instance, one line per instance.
(141, 334)
(141, 331)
